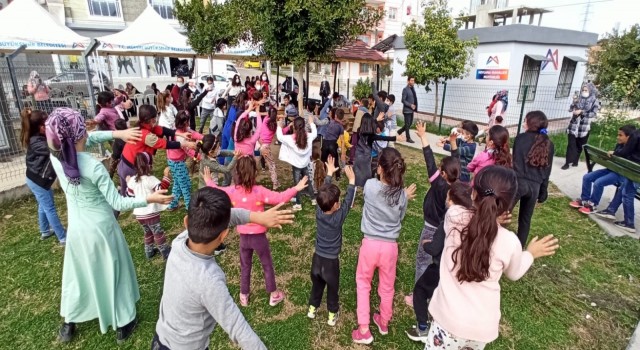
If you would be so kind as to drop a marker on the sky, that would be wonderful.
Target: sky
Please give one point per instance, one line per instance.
(569, 14)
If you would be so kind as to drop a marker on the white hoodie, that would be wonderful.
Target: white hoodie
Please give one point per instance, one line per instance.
(209, 101)
(289, 151)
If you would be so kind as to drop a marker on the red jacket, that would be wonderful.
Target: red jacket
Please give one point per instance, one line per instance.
(175, 95)
(151, 141)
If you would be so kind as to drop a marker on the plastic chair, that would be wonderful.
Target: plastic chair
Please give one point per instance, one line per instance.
(138, 98)
(150, 99)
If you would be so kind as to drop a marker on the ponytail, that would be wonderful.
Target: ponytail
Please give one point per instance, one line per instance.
(31, 121)
(499, 135)
(538, 155)
(300, 133)
(141, 165)
(195, 162)
(393, 169)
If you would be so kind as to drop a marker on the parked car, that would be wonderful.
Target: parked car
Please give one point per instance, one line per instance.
(219, 81)
(252, 64)
(75, 81)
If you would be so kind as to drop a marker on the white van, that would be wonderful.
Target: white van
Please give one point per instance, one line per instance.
(224, 68)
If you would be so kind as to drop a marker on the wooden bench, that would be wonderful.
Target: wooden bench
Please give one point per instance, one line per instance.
(624, 167)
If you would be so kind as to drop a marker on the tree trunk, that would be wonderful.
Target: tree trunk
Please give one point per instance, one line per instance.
(301, 89)
(435, 112)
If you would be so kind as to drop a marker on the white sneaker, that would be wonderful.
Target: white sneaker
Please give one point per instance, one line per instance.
(313, 202)
(293, 200)
(333, 318)
(297, 207)
(312, 312)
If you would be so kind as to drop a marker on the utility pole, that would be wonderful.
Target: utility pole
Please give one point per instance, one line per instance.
(587, 12)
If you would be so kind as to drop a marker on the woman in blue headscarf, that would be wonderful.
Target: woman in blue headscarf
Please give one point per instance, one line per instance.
(98, 276)
(584, 109)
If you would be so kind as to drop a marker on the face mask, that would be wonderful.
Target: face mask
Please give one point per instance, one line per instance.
(264, 78)
(585, 94)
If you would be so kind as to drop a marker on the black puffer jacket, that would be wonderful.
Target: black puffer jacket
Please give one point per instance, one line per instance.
(39, 169)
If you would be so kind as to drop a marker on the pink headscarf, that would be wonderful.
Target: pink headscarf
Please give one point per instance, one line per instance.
(64, 128)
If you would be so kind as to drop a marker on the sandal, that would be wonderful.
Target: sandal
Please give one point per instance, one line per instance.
(244, 299)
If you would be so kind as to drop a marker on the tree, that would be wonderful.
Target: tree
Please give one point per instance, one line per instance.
(436, 54)
(362, 89)
(210, 26)
(615, 66)
(295, 32)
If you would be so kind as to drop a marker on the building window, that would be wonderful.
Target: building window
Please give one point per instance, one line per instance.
(392, 13)
(163, 7)
(364, 68)
(365, 38)
(566, 77)
(529, 78)
(105, 8)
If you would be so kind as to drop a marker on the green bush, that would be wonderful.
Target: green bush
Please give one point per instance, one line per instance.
(362, 89)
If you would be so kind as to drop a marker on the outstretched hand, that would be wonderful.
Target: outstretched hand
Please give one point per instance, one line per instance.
(274, 217)
(206, 174)
(543, 247)
(331, 167)
(410, 191)
(160, 197)
(302, 184)
(131, 135)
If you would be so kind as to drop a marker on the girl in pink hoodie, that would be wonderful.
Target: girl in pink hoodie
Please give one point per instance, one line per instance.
(267, 133)
(245, 140)
(496, 153)
(477, 251)
(247, 194)
(106, 112)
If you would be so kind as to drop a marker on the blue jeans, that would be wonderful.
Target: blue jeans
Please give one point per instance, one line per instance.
(47, 215)
(625, 196)
(298, 174)
(598, 180)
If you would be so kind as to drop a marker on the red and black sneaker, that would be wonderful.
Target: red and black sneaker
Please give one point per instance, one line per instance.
(588, 209)
(578, 203)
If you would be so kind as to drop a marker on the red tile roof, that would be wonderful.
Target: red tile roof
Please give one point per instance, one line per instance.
(359, 51)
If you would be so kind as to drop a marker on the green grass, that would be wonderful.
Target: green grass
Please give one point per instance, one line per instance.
(602, 135)
(547, 309)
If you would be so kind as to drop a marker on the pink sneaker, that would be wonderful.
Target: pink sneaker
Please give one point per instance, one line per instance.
(383, 327)
(275, 300)
(360, 338)
(408, 299)
(244, 299)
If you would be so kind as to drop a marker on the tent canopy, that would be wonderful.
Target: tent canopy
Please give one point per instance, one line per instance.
(148, 35)
(25, 22)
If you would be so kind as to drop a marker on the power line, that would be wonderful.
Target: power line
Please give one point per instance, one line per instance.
(577, 3)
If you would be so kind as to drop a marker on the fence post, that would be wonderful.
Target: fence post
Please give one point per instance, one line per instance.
(7, 122)
(444, 94)
(389, 86)
(93, 45)
(348, 87)
(524, 98)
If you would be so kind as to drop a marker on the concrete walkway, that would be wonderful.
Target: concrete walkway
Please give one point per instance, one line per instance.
(568, 182)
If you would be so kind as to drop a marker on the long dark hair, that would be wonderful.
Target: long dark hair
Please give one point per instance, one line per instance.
(538, 155)
(393, 169)
(460, 194)
(272, 122)
(104, 98)
(142, 165)
(208, 143)
(499, 135)
(185, 98)
(32, 120)
(244, 129)
(240, 101)
(300, 133)
(367, 125)
(450, 167)
(245, 172)
(233, 81)
(146, 113)
(182, 120)
(495, 188)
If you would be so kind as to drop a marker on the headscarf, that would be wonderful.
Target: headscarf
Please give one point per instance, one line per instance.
(587, 103)
(34, 79)
(503, 95)
(64, 128)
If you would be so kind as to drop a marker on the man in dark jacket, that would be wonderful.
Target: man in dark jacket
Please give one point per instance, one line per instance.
(409, 106)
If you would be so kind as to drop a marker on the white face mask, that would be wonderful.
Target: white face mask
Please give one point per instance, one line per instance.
(264, 78)
(585, 94)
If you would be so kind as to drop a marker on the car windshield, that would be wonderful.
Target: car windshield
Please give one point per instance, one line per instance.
(231, 68)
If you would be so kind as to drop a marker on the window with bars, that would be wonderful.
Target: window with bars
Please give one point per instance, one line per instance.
(566, 77)
(105, 8)
(529, 78)
(163, 7)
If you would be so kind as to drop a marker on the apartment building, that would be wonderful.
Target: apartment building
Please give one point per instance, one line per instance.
(397, 15)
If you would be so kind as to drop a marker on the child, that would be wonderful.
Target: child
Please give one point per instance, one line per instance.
(318, 170)
(247, 194)
(593, 183)
(267, 133)
(390, 120)
(167, 110)
(481, 135)
(118, 146)
(143, 184)
(496, 153)
(195, 297)
(466, 146)
(459, 194)
(217, 123)
(434, 204)
(477, 251)
(332, 133)
(532, 160)
(245, 141)
(385, 203)
(177, 162)
(106, 114)
(209, 151)
(325, 266)
(40, 173)
(296, 150)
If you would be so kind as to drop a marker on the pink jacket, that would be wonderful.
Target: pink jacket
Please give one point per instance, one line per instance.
(471, 310)
(109, 115)
(180, 154)
(480, 161)
(254, 201)
(248, 145)
(266, 135)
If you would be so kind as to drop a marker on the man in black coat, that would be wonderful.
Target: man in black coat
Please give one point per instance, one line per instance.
(409, 106)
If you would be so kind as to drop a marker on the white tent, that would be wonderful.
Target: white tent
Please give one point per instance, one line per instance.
(148, 35)
(25, 22)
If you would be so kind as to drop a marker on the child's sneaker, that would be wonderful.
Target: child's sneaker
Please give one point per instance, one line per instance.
(277, 298)
(165, 250)
(623, 225)
(414, 333)
(606, 214)
(221, 248)
(297, 207)
(588, 208)
(293, 200)
(578, 203)
(313, 202)
(360, 338)
(244, 300)
(45, 235)
(382, 327)
(408, 299)
(312, 312)
(333, 318)
(150, 251)
(62, 242)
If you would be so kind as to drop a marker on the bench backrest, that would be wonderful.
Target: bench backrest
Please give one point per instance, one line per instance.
(622, 166)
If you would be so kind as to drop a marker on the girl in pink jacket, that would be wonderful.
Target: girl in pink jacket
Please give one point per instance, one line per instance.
(245, 140)
(477, 251)
(247, 194)
(496, 153)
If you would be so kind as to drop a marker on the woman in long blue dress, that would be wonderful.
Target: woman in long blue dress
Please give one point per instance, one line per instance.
(98, 276)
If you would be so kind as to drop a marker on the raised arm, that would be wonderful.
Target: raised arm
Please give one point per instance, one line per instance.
(103, 181)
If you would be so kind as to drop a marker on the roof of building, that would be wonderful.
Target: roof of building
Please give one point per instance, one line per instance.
(358, 51)
(510, 33)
